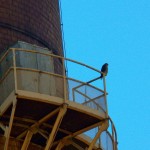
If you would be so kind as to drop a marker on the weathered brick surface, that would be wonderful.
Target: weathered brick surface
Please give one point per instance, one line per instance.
(33, 19)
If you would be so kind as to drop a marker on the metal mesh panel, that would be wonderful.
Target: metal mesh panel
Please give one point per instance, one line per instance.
(71, 84)
(100, 103)
(7, 85)
(106, 141)
(6, 63)
(6, 76)
(86, 94)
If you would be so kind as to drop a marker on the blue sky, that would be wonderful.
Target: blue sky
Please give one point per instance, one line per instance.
(117, 32)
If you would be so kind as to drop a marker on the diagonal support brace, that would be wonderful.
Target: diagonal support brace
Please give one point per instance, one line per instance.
(27, 140)
(44, 119)
(3, 127)
(34, 128)
(102, 128)
(57, 123)
(8, 129)
(60, 145)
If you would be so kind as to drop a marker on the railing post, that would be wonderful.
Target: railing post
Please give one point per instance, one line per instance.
(105, 95)
(64, 80)
(15, 71)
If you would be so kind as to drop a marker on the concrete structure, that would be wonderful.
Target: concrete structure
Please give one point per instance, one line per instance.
(42, 108)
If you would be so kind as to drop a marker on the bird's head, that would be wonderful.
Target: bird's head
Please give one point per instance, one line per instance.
(106, 64)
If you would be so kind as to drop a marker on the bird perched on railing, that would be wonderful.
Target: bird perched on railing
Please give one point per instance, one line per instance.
(104, 70)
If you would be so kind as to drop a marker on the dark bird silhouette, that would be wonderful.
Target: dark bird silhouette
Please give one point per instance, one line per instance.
(104, 69)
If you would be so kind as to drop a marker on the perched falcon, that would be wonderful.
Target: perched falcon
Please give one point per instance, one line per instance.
(104, 69)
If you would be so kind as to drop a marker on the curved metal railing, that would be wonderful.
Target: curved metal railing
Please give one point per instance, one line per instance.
(109, 138)
(43, 72)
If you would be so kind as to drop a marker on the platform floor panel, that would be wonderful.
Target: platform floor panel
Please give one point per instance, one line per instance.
(30, 112)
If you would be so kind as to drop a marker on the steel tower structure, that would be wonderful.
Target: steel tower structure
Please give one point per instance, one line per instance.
(41, 107)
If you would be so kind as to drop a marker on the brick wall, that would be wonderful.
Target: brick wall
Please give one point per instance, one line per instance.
(33, 21)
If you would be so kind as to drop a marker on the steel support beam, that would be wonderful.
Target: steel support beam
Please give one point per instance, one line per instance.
(105, 97)
(102, 128)
(41, 132)
(33, 121)
(2, 127)
(60, 145)
(66, 143)
(27, 140)
(63, 143)
(79, 132)
(34, 128)
(8, 129)
(56, 126)
(35, 125)
(7, 103)
(77, 146)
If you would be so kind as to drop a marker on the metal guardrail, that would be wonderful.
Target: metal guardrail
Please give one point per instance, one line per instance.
(108, 138)
(73, 89)
(17, 74)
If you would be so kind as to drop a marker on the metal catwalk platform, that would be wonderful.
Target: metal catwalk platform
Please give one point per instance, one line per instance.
(45, 109)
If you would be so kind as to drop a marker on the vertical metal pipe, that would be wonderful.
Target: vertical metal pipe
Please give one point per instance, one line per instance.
(105, 95)
(64, 80)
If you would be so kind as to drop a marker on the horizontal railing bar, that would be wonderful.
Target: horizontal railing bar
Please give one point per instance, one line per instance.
(36, 70)
(34, 51)
(49, 73)
(79, 86)
(99, 106)
(67, 59)
(84, 65)
(82, 94)
(96, 105)
(84, 83)
(61, 76)
(94, 99)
